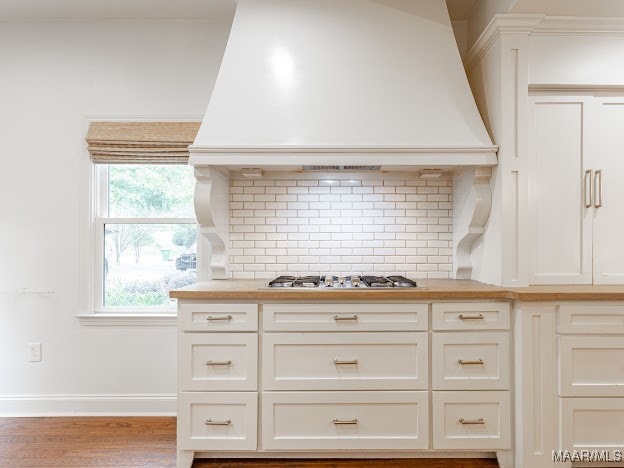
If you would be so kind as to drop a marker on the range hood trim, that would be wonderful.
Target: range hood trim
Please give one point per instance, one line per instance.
(479, 156)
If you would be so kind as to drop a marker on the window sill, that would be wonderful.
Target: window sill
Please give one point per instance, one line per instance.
(127, 319)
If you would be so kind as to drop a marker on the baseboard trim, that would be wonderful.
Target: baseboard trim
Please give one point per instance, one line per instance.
(87, 405)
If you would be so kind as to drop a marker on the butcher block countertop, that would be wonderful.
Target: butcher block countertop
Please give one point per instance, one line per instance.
(431, 289)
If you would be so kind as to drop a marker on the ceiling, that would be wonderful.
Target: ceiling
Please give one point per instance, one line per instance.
(147, 9)
(116, 9)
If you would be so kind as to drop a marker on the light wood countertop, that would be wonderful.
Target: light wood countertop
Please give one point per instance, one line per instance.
(432, 289)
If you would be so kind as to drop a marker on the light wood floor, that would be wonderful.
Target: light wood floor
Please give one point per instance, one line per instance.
(145, 442)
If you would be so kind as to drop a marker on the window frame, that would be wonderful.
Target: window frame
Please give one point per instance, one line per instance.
(100, 218)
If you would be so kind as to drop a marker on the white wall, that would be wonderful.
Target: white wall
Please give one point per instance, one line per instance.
(54, 74)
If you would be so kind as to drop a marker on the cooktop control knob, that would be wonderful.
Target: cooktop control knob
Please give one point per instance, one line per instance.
(329, 281)
(341, 280)
(355, 281)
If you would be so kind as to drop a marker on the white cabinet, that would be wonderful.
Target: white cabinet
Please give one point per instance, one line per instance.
(471, 420)
(471, 361)
(330, 377)
(345, 420)
(575, 192)
(345, 361)
(217, 421)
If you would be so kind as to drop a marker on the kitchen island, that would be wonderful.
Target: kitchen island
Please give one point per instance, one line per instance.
(453, 368)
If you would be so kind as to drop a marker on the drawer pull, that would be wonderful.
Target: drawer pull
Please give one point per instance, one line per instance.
(352, 362)
(214, 318)
(218, 363)
(472, 421)
(464, 363)
(224, 422)
(338, 318)
(471, 317)
(338, 422)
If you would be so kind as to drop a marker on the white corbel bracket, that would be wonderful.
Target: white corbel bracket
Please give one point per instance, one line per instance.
(480, 215)
(212, 209)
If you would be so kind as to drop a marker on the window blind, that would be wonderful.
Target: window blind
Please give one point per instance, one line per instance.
(141, 142)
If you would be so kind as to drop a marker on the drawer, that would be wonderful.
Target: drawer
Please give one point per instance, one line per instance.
(197, 316)
(591, 365)
(591, 318)
(592, 423)
(217, 421)
(470, 361)
(471, 420)
(345, 361)
(346, 317)
(470, 316)
(344, 420)
(217, 361)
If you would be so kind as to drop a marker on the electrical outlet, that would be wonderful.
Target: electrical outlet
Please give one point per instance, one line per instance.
(34, 352)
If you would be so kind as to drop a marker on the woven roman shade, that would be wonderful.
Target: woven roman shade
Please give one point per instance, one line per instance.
(141, 142)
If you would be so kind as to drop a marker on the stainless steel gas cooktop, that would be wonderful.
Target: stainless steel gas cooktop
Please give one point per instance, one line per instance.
(338, 282)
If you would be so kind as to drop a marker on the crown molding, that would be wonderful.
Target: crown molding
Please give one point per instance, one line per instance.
(541, 25)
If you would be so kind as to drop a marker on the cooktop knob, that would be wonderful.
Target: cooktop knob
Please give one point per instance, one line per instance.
(341, 280)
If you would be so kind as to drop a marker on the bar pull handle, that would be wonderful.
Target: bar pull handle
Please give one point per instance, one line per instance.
(339, 318)
(211, 422)
(352, 362)
(471, 421)
(218, 363)
(465, 363)
(471, 317)
(214, 318)
(587, 191)
(338, 422)
(598, 188)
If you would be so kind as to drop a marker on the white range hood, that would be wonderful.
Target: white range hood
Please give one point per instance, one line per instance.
(342, 83)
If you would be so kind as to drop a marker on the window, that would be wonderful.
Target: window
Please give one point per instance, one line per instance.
(145, 236)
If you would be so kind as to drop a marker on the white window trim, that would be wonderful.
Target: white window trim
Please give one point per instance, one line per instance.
(93, 261)
(86, 246)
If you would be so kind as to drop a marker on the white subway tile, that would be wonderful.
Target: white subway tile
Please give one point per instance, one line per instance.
(318, 190)
(297, 190)
(276, 190)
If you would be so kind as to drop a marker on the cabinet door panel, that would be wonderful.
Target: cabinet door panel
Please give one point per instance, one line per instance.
(561, 224)
(609, 218)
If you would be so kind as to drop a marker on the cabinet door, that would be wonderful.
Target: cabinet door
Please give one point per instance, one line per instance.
(560, 222)
(609, 218)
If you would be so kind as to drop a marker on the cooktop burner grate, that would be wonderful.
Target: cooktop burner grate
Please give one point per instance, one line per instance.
(343, 282)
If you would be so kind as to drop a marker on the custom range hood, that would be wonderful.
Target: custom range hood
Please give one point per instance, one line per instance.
(368, 84)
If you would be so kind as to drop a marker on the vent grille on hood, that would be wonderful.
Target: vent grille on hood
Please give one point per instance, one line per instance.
(341, 168)
(354, 82)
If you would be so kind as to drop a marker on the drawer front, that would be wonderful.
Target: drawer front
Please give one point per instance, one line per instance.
(470, 316)
(344, 420)
(217, 421)
(591, 366)
(470, 361)
(217, 361)
(592, 423)
(345, 361)
(471, 420)
(345, 317)
(591, 318)
(196, 316)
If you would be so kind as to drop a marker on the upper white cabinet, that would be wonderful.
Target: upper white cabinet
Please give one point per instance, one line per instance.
(608, 218)
(575, 192)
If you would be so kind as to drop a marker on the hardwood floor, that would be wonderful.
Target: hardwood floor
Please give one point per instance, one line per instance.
(145, 442)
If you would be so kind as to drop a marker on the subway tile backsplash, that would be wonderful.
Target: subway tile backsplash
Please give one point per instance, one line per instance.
(363, 225)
